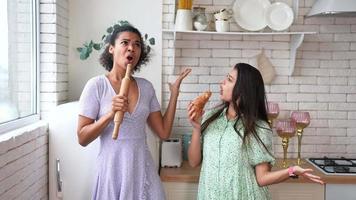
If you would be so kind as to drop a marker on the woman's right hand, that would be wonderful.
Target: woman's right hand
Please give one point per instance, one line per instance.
(119, 103)
(195, 121)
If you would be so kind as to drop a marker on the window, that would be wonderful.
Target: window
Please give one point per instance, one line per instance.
(18, 63)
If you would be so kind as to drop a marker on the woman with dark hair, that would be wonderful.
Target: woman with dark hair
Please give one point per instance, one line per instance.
(234, 142)
(125, 168)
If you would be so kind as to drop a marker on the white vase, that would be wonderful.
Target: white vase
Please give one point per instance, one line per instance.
(222, 26)
(184, 20)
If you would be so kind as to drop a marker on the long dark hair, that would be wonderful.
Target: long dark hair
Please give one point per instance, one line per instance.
(249, 101)
(106, 58)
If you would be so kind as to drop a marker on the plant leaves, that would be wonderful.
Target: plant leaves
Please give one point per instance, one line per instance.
(148, 49)
(102, 37)
(84, 54)
(97, 46)
(152, 41)
(116, 26)
(109, 30)
(79, 49)
(146, 36)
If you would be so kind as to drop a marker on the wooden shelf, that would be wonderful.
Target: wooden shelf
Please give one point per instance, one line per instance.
(296, 40)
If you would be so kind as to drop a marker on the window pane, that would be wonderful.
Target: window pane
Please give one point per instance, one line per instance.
(17, 60)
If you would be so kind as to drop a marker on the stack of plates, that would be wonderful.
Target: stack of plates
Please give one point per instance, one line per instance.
(255, 15)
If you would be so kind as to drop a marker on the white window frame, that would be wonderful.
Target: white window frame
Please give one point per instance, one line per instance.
(23, 121)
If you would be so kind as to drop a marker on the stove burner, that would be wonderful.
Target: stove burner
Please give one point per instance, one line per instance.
(335, 166)
(341, 169)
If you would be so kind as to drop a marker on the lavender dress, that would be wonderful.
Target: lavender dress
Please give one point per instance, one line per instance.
(125, 168)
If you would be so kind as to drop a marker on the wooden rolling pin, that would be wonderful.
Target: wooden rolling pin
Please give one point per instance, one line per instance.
(124, 88)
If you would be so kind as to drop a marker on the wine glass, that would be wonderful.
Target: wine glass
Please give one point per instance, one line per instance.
(302, 120)
(272, 112)
(285, 129)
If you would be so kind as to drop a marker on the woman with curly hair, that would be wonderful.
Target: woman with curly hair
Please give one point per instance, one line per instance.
(125, 168)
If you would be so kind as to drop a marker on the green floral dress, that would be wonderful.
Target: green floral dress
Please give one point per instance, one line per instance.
(227, 171)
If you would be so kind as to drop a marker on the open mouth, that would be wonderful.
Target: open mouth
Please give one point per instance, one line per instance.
(129, 58)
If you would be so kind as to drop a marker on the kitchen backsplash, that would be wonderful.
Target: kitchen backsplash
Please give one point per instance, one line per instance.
(323, 82)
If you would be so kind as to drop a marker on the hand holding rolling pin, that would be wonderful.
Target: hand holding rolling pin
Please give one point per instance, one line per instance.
(124, 88)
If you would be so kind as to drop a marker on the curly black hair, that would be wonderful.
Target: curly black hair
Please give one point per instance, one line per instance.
(106, 58)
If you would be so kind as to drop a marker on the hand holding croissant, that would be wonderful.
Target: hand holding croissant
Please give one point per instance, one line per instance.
(199, 103)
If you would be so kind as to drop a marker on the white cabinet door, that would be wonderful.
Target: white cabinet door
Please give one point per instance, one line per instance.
(180, 190)
(340, 191)
(297, 191)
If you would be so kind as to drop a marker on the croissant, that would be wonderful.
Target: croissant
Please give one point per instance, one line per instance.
(200, 102)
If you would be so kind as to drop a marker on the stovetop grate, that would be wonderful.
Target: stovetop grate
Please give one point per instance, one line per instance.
(335, 166)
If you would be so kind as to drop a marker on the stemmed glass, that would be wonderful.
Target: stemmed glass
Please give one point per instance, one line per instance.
(272, 112)
(302, 120)
(285, 130)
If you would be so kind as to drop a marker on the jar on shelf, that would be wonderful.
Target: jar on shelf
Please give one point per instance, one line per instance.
(200, 21)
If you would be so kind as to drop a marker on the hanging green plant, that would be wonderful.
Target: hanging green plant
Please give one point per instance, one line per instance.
(87, 48)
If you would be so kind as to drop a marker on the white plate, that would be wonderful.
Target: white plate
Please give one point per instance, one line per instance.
(251, 14)
(279, 16)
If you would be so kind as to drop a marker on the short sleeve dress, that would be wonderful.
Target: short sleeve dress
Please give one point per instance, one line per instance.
(227, 170)
(125, 168)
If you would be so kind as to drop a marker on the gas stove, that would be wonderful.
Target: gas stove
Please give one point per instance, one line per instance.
(335, 166)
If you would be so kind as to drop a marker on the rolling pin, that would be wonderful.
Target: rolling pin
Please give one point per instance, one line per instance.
(124, 88)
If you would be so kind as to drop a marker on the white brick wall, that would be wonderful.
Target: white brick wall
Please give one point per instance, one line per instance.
(24, 152)
(24, 163)
(54, 54)
(324, 81)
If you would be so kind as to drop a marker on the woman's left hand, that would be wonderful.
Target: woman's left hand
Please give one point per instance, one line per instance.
(174, 87)
(306, 173)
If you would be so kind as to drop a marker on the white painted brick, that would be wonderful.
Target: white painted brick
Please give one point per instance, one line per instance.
(353, 46)
(331, 131)
(331, 81)
(284, 88)
(281, 38)
(301, 97)
(187, 44)
(344, 55)
(226, 53)
(314, 72)
(227, 37)
(332, 115)
(331, 97)
(345, 20)
(280, 80)
(334, 64)
(316, 55)
(319, 20)
(196, 52)
(351, 97)
(193, 87)
(342, 106)
(342, 123)
(351, 148)
(352, 81)
(245, 44)
(275, 45)
(280, 54)
(276, 97)
(331, 148)
(342, 89)
(352, 115)
(214, 62)
(309, 63)
(313, 106)
(335, 28)
(335, 46)
(351, 132)
(213, 44)
(211, 79)
(346, 37)
(257, 37)
(319, 38)
(302, 80)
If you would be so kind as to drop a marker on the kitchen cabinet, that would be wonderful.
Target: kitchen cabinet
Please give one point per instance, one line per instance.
(295, 42)
(282, 191)
(180, 190)
(297, 191)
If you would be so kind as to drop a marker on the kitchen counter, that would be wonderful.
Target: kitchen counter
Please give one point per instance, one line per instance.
(188, 174)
